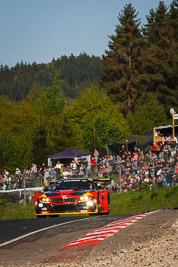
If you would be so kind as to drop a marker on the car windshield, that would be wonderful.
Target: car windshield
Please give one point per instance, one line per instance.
(63, 185)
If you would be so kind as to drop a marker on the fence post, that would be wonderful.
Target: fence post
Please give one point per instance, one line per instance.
(153, 171)
(153, 161)
(120, 176)
(24, 191)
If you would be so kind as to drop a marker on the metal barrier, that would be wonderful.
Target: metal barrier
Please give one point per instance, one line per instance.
(20, 190)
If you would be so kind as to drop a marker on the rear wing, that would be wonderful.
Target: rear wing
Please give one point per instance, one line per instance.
(102, 180)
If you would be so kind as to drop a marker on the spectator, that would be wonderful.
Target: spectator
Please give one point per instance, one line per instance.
(25, 172)
(123, 149)
(135, 157)
(166, 152)
(81, 173)
(34, 170)
(96, 156)
(141, 159)
(67, 173)
(42, 169)
(107, 171)
(58, 168)
(46, 177)
(4, 187)
(74, 166)
(93, 166)
(18, 172)
(51, 176)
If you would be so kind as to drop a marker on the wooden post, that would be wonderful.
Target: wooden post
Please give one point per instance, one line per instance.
(94, 137)
(154, 136)
(126, 145)
(107, 150)
(173, 129)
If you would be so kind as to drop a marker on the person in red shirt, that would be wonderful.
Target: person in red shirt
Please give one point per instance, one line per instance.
(154, 147)
(93, 165)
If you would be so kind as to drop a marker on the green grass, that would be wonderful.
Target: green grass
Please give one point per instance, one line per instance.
(126, 202)
(144, 200)
(16, 211)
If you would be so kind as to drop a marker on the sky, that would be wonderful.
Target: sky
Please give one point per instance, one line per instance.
(40, 30)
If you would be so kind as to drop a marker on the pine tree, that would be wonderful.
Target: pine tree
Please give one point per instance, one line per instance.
(148, 113)
(121, 63)
(160, 55)
(54, 96)
(173, 15)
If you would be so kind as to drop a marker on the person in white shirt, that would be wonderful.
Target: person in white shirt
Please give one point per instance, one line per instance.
(58, 165)
(66, 173)
(58, 168)
(74, 165)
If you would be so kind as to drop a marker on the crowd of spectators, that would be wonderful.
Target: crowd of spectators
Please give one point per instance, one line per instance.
(15, 181)
(44, 175)
(128, 170)
(136, 169)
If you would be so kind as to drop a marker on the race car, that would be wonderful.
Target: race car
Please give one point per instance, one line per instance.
(73, 196)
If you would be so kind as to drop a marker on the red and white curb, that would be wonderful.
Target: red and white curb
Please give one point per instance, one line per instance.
(96, 237)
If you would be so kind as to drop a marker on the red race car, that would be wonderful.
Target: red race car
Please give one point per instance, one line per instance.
(74, 196)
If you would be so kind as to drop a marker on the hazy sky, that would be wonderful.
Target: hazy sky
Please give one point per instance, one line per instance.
(40, 30)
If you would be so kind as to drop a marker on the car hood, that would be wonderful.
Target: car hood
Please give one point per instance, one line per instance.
(65, 192)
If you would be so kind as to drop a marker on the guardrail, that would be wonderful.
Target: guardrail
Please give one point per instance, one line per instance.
(24, 190)
(20, 190)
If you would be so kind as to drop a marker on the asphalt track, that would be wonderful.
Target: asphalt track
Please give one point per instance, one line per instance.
(14, 230)
(70, 239)
(36, 241)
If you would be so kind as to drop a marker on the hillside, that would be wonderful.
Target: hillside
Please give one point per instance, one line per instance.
(77, 73)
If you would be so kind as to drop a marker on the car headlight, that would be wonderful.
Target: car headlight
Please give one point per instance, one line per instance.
(90, 203)
(40, 205)
(45, 199)
(85, 198)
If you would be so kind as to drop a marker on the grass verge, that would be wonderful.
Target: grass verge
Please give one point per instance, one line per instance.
(126, 202)
(144, 200)
(16, 211)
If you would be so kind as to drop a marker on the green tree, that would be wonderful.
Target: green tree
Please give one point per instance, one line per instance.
(173, 15)
(71, 130)
(160, 55)
(97, 119)
(16, 134)
(37, 100)
(148, 113)
(76, 72)
(54, 97)
(101, 131)
(121, 63)
(7, 155)
(22, 150)
(39, 145)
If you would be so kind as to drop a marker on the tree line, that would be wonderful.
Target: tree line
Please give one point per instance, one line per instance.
(85, 102)
(77, 72)
(140, 66)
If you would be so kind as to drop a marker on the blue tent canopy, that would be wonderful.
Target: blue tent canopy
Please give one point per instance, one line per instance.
(69, 154)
